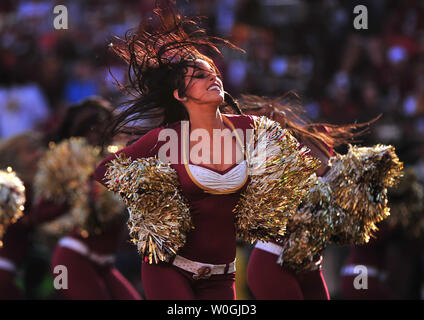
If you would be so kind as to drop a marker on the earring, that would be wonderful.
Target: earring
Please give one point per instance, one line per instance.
(184, 99)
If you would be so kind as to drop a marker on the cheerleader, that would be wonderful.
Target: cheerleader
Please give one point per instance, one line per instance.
(185, 212)
(393, 258)
(300, 276)
(93, 219)
(21, 154)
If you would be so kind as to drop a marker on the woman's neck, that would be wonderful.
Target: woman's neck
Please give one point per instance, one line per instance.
(207, 120)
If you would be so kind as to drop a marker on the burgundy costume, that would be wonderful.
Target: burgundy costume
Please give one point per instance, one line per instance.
(16, 243)
(91, 280)
(373, 256)
(88, 279)
(268, 280)
(213, 241)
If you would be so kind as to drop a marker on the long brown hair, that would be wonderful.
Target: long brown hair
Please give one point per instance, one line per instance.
(158, 54)
(293, 117)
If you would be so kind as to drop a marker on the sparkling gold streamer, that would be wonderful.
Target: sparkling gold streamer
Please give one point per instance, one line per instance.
(359, 182)
(12, 199)
(64, 175)
(342, 207)
(159, 215)
(280, 174)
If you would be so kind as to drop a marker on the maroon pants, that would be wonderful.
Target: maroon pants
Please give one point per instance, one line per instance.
(89, 281)
(267, 280)
(164, 281)
(8, 288)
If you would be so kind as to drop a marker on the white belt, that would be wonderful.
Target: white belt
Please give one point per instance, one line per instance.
(349, 270)
(269, 247)
(203, 270)
(278, 250)
(7, 265)
(81, 248)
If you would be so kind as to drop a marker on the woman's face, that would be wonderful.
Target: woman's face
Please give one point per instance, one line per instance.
(203, 85)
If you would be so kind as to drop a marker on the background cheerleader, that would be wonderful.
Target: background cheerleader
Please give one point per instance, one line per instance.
(94, 219)
(21, 153)
(393, 258)
(299, 278)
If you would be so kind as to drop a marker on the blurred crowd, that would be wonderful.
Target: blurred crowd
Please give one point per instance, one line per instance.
(343, 75)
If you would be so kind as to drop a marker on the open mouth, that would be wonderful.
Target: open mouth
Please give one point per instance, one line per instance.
(215, 87)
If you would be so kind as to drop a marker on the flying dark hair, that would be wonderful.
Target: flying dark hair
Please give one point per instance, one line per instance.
(158, 54)
(324, 135)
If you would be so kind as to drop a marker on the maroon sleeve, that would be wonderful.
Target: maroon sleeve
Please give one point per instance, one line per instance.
(144, 147)
(242, 121)
(325, 129)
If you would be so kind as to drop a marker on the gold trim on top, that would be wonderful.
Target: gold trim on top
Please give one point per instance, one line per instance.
(197, 183)
(241, 143)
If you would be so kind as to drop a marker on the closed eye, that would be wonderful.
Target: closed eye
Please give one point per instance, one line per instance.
(201, 75)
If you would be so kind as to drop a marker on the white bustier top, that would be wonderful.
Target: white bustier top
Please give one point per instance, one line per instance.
(220, 182)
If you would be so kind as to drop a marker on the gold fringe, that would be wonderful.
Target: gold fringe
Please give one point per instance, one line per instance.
(342, 207)
(280, 174)
(65, 175)
(159, 215)
(12, 199)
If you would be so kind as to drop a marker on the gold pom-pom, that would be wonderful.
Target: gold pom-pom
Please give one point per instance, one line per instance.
(310, 229)
(159, 215)
(280, 174)
(96, 210)
(12, 199)
(342, 207)
(407, 205)
(64, 169)
(65, 175)
(359, 182)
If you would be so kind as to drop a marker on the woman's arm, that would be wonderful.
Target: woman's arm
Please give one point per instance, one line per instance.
(144, 147)
(317, 153)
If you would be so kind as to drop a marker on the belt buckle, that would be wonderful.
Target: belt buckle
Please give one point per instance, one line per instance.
(204, 272)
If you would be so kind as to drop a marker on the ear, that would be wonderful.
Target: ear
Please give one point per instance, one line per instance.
(177, 96)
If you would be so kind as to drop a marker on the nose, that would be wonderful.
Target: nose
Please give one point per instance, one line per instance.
(212, 77)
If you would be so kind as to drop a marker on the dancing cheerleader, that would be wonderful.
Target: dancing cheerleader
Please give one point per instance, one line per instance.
(393, 258)
(19, 154)
(12, 200)
(298, 275)
(189, 199)
(94, 218)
